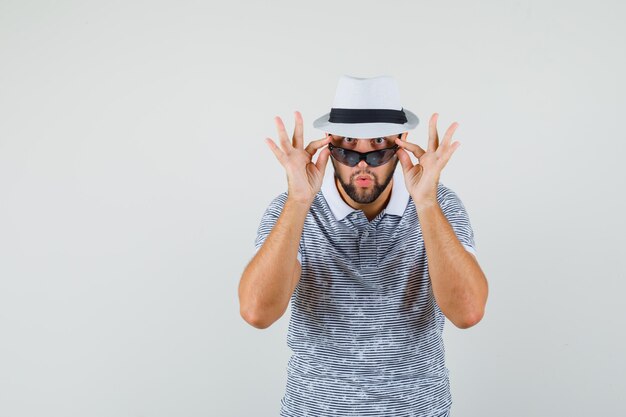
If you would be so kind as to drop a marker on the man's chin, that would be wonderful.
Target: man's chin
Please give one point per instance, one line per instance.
(363, 195)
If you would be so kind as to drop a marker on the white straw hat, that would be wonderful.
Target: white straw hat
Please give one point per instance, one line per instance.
(365, 108)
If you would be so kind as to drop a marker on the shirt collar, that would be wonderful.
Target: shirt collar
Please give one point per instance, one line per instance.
(396, 205)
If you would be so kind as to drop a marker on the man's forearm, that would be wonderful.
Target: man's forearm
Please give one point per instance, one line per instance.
(459, 284)
(267, 282)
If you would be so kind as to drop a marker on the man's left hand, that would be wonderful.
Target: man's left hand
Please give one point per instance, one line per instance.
(421, 179)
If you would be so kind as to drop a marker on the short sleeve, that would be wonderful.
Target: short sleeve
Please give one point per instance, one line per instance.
(454, 210)
(268, 221)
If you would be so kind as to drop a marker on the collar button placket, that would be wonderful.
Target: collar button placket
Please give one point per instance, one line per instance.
(367, 251)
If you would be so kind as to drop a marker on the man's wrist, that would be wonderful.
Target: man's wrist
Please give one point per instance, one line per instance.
(300, 204)
(425, 204)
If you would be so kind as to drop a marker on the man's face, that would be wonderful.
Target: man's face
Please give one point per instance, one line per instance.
(364, 183)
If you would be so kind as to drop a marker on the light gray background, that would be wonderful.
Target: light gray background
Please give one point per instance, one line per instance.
(134, 173)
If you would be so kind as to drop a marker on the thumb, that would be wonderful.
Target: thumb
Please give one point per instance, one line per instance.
(322, 160)
(405, 160)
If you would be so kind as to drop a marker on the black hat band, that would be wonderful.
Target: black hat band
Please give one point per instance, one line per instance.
(367, 116)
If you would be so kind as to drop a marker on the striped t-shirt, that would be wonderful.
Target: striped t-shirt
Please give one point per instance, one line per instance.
(365, 329)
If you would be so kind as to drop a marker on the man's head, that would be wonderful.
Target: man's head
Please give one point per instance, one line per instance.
(364, 183)
(365, 107)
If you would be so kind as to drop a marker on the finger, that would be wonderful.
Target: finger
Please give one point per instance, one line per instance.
(412, 147)
(298, 141)
(322, 160)
(405, 160)
(447, 138)
(316, 144)
(444, 160)
(282, 135)
(433, 137)
(453, 148)
(277, 152)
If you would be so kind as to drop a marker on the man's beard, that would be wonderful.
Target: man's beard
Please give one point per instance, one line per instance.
(370, 196)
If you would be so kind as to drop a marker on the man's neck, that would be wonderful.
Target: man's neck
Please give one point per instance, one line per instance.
(372, 209)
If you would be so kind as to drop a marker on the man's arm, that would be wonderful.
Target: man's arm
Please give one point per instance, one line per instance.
(270, 278)
(459, 284)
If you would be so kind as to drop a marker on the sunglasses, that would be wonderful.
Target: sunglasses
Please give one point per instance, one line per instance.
(352, 158)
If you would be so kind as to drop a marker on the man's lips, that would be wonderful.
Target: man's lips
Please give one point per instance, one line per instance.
(363, 180)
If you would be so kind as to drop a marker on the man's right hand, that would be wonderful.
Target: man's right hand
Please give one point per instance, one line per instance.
(304, 177)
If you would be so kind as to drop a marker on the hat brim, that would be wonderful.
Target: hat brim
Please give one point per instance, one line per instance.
(366, 130)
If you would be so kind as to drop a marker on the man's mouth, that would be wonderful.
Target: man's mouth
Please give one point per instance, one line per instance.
(363, 180)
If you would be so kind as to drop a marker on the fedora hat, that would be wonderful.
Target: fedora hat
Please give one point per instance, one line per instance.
(365, 108)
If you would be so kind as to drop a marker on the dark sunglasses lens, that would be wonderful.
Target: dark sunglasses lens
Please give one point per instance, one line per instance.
(380, 157)
(345, 156)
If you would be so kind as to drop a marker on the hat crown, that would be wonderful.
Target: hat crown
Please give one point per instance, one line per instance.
(379, 92)
(365, 108)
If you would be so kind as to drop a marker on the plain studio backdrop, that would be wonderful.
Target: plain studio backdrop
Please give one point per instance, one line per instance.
(134, 174)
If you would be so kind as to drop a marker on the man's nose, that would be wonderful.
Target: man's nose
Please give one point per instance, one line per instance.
(362, 164)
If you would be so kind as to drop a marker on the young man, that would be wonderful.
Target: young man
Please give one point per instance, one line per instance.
(372, 258)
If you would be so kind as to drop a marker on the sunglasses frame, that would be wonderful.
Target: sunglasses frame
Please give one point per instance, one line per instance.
(362, 155)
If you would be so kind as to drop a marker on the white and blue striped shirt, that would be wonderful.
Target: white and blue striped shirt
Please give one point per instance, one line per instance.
(365, 329)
